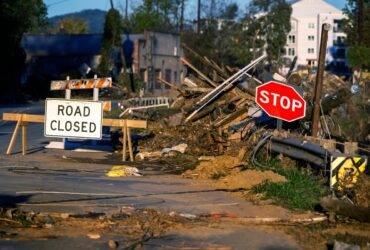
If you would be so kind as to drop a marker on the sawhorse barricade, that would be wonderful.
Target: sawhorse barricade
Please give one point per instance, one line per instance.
(23, 120)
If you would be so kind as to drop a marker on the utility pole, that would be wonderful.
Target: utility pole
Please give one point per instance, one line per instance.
(319, 79)
(126, 10)
(198, 21)
(182, 10)
(111, 4)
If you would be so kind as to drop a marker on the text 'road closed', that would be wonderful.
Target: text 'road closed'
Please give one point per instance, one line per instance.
(73, 119)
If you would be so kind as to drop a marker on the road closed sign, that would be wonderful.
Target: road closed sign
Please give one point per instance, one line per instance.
(73, 119)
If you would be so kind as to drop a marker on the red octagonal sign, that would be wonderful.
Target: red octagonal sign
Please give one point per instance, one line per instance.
(281, 101)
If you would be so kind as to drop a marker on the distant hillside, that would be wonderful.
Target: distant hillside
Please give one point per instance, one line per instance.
(94, 19)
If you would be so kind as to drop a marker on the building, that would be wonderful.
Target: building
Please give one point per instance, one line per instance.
(53, 57)
(158, 55)
(303, 40)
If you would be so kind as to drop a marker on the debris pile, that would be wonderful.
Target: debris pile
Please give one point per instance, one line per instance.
(216, 116)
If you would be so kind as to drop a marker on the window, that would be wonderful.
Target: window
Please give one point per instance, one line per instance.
(143, 75)
(311, 50)
(175, 76)
(292, 26)
(291, 39)
(311, 25)
(339, 41)
(311, 38)
(291, 52)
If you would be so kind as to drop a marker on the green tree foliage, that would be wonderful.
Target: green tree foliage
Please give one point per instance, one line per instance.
(273, 24)
(111, 40)
(357, 27)
(72, 25)
(16, 18)
(220, 38)
(158, 15)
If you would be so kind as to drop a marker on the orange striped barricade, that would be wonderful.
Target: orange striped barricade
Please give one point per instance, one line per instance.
(96, 83)
(76, 84)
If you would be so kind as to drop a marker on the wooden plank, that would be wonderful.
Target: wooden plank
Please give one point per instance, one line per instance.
(124, 139)
(14, 136)
(201, 90)
(24, 139)
(120, 123)
(106, 122)
(171, 85)
(209, 81)
(231, 117)
(25, 117)
(130, 144)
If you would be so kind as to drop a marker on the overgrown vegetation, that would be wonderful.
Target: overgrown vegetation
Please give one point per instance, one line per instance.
(16, 18)
(300, 191)
(357, 28)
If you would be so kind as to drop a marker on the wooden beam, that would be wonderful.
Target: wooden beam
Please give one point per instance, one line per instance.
(14, 136)
(206, 61)
(171, 85)
(106, 122)
(232, 118)
(24, 117)
(24, 139)
(129, 144)
(209, 81)
(124, 130)
(120, 123)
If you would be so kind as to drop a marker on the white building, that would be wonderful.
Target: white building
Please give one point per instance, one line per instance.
(303, 41)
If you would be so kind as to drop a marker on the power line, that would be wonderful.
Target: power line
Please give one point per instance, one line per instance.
(55, 3)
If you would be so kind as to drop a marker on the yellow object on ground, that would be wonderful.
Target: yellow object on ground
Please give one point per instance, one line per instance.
(344, 171)
(120, 171)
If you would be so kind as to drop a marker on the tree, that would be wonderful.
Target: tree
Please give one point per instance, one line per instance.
(357, 28)
(219, 38)
(111, 41)
(72, 25)
(272, 19)
(16, 18)
(159, 15)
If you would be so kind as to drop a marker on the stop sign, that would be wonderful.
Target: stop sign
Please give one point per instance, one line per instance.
(281, 101)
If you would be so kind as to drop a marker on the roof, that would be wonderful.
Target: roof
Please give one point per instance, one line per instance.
(311, 8)
(65, 45)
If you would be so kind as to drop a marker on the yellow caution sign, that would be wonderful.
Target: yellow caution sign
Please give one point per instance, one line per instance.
(344, 171)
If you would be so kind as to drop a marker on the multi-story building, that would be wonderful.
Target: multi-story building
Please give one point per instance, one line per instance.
(155, 55)
(303, 40)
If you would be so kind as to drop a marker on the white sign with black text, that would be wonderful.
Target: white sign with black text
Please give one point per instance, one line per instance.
(73, 119)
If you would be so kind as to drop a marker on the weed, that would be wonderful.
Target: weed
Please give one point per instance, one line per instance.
(300, 191)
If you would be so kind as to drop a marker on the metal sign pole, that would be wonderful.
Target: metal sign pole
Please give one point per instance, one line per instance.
(67, 97)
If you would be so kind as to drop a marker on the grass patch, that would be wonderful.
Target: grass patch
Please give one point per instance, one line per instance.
(300, 191)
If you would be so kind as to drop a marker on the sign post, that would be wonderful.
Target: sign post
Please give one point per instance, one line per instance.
(281, 101)
(73, 119)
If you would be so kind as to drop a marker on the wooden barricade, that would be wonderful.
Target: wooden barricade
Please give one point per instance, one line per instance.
(23, 120)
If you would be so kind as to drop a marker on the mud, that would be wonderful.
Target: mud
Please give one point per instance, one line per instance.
(227, 173)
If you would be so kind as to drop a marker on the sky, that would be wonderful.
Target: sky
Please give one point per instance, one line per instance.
(60, 7)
